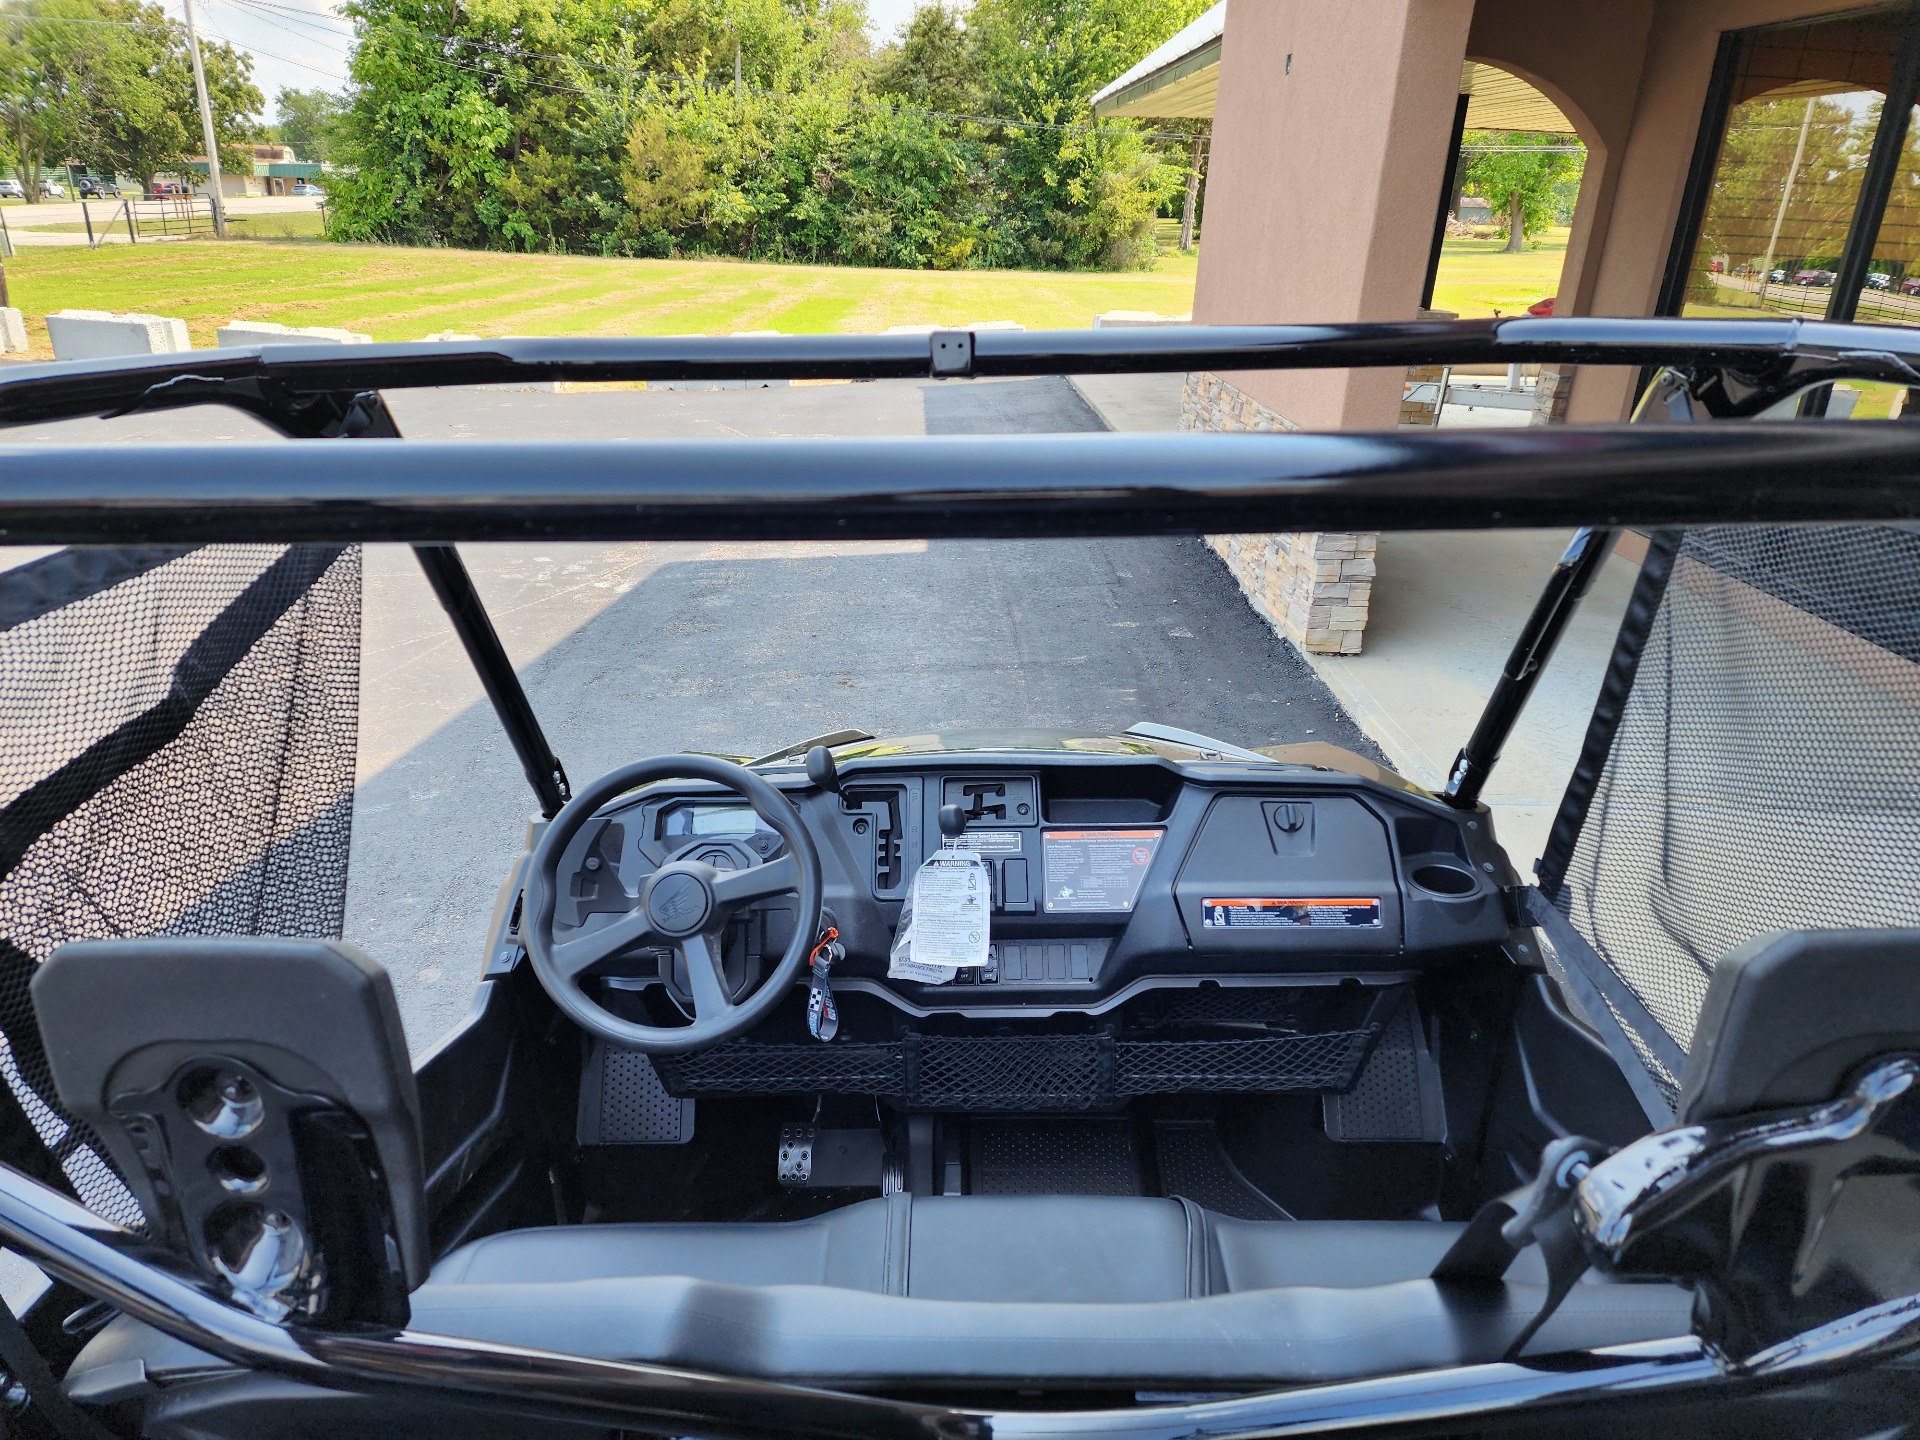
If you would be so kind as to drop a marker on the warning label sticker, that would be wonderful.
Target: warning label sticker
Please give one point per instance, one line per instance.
(984, 842)
(1266, 913)
(1096, 871)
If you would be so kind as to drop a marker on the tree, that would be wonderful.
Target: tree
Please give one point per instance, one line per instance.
(56, 81)
(309, 122)
(108, 83)
(932, 64)
(1517, 177)
(758, 128)
(1072, 190)
(1784, 187)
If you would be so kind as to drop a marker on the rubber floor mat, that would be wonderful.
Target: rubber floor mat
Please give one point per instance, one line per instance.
(1055, 1157)
(1397, 1097)
(1194, 1166)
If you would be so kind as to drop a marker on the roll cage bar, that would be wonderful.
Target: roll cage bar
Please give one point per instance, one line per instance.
(431, 495)
(435, 493)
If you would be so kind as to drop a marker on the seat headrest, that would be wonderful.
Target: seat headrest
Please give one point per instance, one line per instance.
(1790, 1015)
(121, 1017)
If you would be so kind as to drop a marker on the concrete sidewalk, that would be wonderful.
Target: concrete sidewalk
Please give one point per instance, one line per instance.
(1446, 608)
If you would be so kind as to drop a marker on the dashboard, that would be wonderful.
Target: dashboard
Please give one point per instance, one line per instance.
(1110, 874)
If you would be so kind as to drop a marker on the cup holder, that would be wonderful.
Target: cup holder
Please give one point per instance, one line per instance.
(1448, 880)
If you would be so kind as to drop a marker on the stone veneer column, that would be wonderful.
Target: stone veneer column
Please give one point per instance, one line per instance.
(1425, 412)
(1551, 392)
(1314, 587)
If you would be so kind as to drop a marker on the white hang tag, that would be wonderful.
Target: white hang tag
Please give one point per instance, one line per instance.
(945, 924)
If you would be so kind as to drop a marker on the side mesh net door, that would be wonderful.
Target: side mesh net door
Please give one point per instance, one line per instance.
(1755, 767)
(177, 740)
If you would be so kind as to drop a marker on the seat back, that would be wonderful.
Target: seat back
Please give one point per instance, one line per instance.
(258, 1097)
(1788, 1017)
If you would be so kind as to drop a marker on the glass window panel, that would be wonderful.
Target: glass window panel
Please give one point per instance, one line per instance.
(1805, 107)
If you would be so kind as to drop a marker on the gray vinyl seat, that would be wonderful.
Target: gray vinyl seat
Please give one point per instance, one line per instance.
(1082, 1250)
(1048, 1289)
(1020, 1287)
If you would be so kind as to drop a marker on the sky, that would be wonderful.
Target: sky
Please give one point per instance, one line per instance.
(302, 44)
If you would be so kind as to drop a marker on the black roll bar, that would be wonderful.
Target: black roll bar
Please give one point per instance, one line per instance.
(1568, 584)
(433, 494)
(447, 573)
(950, 487)
(1743, 366)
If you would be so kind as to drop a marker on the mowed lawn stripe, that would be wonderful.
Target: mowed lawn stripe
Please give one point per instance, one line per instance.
(395, 293)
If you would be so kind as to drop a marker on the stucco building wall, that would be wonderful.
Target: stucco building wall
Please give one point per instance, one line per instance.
(1329, 149)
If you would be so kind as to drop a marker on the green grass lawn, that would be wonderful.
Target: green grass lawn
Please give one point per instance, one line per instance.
(404, 294)
(1476, 280)
(396, 293)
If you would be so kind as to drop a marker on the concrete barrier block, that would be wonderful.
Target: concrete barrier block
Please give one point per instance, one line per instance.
(13, 331)
(265, 332)
(1128, 319)
(105, 335)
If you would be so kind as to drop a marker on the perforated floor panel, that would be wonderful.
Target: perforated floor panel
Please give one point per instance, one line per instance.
(1195, 1167)
(1397, 1097)
(1042, 1157)
(622, 1102)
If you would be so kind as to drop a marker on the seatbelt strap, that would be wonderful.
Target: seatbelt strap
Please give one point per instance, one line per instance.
(1534, 1214)
(25, 1363)
(1566, 1261)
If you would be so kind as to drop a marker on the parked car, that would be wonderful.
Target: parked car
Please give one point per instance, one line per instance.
(1878, 279)
(52, 190)
(304, 187)
(163, 189)
(1777, 277)
(93, 187)
(1910, 285)
(1813, 277)
(12, 190)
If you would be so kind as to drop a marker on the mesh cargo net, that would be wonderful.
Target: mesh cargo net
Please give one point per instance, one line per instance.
(177, 739)
(1764, 773)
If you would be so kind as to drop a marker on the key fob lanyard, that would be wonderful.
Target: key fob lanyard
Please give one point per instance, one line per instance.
(823, 1016)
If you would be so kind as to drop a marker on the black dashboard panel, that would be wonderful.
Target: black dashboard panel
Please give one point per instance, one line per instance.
(1292, 879)
(1110, 874)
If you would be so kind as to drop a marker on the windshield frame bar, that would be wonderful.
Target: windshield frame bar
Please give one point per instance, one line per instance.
(1739, 367)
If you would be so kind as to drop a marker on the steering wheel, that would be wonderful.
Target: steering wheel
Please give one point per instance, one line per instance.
(684, 905)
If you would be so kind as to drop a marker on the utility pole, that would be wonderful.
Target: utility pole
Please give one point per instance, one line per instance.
(1786, 197)
(206, 124)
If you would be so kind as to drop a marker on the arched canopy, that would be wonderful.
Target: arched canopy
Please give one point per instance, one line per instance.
(1181, 79)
